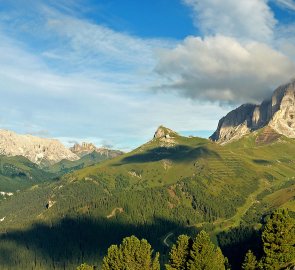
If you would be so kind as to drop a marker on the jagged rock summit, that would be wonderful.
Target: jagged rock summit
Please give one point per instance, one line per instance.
(38, 150)
(165, 136)
(87, 148)
(163, 132)
(276, 113)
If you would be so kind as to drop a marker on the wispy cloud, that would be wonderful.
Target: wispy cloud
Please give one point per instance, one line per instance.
(289, 4)
(251, 19)
(86, 81)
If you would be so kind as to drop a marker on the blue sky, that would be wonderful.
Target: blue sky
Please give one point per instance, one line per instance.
(112, 71)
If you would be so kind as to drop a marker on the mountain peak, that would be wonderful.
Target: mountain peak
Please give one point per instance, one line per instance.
(86, 148)
(278, 113)
(38, 150)
(163, 132)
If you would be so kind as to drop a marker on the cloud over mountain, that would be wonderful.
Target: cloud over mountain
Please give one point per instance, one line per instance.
(222, 69)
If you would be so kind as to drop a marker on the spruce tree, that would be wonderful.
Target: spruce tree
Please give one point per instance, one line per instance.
(250, 262)
(113, 260)
(204, 255)
(132, 254)
(179, 254)
(278, 239)
(85, 266)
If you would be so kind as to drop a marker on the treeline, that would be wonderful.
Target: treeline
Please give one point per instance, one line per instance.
(199, 253)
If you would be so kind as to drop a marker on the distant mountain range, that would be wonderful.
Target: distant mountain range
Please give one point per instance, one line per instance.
(87, 148)
(38, 150)
(277, 113)
(46, 152)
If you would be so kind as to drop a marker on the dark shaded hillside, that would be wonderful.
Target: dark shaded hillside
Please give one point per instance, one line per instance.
(71, 241)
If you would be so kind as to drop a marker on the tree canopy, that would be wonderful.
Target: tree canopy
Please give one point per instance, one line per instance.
(132, 254)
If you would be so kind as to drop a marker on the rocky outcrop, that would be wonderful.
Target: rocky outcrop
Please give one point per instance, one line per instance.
(277, 113)
(87, 148)
(163, 132)
(83, 149)
(165, 136)
(38, 150)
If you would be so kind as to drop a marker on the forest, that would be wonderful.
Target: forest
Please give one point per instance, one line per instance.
(275, 250)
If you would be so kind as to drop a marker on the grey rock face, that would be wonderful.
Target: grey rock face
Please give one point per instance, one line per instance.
(38, 150)
(278, 113)
(87, 148)
(163, 132)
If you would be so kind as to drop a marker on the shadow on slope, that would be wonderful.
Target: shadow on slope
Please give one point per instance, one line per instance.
(180, 153)
(70, 242)
(237, 241)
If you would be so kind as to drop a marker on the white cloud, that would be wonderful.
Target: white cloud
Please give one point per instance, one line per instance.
(223, 69)
(247, 19)
(289, 4)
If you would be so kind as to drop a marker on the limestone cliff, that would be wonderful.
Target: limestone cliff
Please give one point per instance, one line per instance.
(87, 148)
(278, 113)
(38, 150)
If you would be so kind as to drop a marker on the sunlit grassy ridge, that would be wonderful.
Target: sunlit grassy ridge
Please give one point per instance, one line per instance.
(165, 186)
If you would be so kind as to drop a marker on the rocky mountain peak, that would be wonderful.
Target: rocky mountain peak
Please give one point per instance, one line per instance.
(86, 148)
(83, 147)
(277, 113)
(38, 150)
(163, 132)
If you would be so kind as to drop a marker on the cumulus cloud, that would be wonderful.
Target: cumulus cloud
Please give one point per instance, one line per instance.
(223, 69)
(251, 19)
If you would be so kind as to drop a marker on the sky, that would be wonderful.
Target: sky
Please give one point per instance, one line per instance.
(111, 71)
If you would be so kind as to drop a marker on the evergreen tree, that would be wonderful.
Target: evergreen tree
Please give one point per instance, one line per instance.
(250, 262)
(278, 239)
(204, 255)
(179, 254)
(85, 266)
(132, 254)
(113, 260)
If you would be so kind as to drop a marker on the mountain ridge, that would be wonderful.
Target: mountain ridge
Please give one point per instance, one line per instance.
(41, 151)
(87, 148)
(278, 113)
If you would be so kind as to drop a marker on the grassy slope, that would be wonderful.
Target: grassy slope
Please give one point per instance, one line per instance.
(66, 166)
(233, 169)
(17, 173)
(194, 183)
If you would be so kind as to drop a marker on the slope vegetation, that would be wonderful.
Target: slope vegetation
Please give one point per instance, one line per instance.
(168, 186)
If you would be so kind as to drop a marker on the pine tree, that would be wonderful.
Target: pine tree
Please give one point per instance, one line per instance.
(205, 255)
(278, 239)
(179, 254)
(85, 266)
(113, 260)
(250, 262)
(132, 254)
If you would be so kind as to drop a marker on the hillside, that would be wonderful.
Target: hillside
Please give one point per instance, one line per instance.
(66, 166)
(170, 185)
(18, 173)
